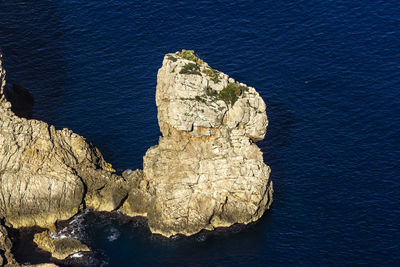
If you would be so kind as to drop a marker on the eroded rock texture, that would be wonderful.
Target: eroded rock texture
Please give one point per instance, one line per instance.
(206, 171)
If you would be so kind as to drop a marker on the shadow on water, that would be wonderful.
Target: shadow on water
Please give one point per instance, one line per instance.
(131, 239)
(22, 101)
(278, 138)
(134, 243)
(24, 250)
(31, 43)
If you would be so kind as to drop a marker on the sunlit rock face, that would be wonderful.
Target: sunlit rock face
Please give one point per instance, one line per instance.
(206, 171)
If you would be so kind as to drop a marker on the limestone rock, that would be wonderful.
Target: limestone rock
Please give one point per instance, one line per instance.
(206, 171)
(47, 174)
(60, 248)
(139, 201)
(6, 257)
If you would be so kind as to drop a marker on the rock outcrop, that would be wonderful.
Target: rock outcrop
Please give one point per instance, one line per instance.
(206, 171)
(46, 174)
(59, 247)
(6, 256)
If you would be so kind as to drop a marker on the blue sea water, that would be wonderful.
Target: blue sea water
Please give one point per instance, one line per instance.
(329, 72)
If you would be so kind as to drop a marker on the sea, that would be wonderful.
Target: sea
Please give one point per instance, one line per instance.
(329, 72)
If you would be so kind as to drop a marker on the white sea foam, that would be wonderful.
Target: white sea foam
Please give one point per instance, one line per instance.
(113, 234)
(59, 235)
(76, 255)
(74, 229)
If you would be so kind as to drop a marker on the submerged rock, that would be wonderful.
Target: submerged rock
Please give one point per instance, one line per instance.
(60, 248)
(206, 171)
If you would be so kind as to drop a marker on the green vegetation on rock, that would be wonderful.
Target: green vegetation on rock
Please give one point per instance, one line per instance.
(172, 58)
(214, 74)
(230, 93)
(190, 68)
(201, 99)
(189, 55)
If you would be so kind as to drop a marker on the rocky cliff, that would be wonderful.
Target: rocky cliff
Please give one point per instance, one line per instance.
(47, 174)
(206, 171)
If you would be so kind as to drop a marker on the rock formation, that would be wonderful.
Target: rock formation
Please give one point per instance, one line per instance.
(59, 247)
(47, 174)
(206, 171)
(6, 257)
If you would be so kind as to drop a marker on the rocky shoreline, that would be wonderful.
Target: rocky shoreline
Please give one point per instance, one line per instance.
(206, 172)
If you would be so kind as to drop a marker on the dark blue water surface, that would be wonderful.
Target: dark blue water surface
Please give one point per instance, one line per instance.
(329, 72)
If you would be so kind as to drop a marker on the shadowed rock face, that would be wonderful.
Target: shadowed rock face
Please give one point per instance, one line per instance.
(60, 247)
(6, 256)
(206, 171)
